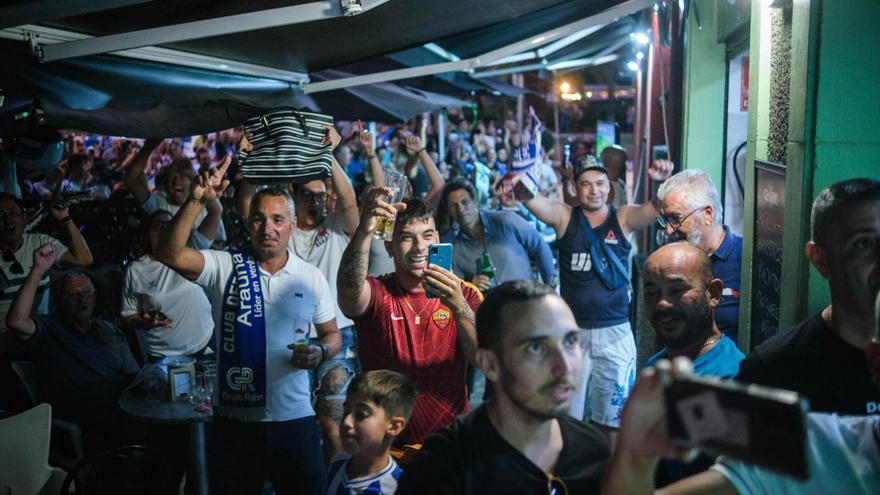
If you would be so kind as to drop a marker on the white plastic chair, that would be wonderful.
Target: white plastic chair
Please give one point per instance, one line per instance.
(24, 450)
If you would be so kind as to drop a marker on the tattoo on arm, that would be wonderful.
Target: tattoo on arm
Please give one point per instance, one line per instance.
(353, 269)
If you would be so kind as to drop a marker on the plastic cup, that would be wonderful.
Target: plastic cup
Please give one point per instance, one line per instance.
(397, 183)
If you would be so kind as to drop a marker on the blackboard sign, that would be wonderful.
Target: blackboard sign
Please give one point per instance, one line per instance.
(767, 253)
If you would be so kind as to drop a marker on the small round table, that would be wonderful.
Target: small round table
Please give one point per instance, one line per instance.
(134, 404)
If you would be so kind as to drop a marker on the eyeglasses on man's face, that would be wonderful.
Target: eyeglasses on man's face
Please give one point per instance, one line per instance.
(674, 220)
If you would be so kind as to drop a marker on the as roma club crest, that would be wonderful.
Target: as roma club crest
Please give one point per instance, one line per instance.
(441, 317)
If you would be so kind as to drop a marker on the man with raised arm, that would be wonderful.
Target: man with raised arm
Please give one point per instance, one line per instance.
(265, 425)
(430, 340)
(179, 176)
(597, 290)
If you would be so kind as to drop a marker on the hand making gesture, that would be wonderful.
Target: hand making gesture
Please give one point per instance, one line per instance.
(210, 184)
(365, 137)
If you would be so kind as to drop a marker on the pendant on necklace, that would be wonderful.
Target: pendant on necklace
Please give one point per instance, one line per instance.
(418, 319)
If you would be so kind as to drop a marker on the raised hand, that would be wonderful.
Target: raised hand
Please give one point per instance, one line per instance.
(376, 207)
(245, 143)
(59, 210)
(331, 137)
(660, 170)
(413, 144)
(365, 137)
(210, 184)
(44, 257)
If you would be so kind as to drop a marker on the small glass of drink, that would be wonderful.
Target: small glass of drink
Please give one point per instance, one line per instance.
(397, 183)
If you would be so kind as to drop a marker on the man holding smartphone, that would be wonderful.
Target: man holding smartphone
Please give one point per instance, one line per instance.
(429, 340)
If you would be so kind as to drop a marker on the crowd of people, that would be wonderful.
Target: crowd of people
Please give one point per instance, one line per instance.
(335, 347)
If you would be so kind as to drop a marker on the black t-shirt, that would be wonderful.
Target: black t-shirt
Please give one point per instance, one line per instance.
(470, 457)
(813, 361)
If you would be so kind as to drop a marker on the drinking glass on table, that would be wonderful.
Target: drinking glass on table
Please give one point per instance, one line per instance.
(397, 183)
(198, 390)
(210, 382)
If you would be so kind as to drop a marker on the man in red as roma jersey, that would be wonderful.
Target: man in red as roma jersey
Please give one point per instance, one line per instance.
(430, 340)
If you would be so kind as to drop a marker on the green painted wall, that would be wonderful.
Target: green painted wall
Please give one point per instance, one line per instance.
(847, 126)
(704, 79)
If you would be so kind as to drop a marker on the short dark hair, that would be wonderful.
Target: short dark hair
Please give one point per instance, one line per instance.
(456, 184)
(387, 389)
(491, 309)
(416, 209)
(829, 202)
(275, 191)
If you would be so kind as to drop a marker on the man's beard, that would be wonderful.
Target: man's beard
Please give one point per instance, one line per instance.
(693, 239)
(698, 326)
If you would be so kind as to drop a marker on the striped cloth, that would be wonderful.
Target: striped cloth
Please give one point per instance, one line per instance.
(286, 148)
(383, 482)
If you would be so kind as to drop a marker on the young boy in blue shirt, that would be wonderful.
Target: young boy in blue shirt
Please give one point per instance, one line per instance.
(377, 408)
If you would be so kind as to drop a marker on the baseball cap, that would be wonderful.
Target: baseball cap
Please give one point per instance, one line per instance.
(588, 162)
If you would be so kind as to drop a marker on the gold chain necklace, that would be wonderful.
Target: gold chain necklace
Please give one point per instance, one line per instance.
(418, 316)
(711, 342)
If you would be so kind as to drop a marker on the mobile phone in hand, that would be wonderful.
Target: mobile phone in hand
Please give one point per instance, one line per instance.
(758, 425)
(440, 255)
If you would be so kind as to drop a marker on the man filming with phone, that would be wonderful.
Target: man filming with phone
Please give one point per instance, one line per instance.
(430, 340)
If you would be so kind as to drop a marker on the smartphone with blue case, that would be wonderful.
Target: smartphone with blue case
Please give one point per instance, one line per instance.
(440, 255)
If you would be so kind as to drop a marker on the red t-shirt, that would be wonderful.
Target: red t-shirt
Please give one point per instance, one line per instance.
(427, 353)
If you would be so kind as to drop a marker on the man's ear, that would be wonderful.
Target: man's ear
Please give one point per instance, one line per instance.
(716, 290)
(708, 215)
(396, 425)
(817, 257)
(488, 363)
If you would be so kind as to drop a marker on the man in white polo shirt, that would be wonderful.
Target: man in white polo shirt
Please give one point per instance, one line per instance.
(265, 425)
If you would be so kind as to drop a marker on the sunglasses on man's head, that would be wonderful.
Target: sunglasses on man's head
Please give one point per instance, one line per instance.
(16, 267)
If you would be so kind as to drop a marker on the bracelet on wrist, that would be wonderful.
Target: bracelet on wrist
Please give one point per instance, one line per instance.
(66, 220)
(420, 151)
(370, 157)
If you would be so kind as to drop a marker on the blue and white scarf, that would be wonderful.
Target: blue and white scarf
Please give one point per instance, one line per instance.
(242, 345)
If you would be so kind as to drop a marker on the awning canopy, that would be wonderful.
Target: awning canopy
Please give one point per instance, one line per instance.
(206, 83)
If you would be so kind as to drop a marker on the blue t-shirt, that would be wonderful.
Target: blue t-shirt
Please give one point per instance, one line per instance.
(382, 483)
(721, 361)
(726, 263)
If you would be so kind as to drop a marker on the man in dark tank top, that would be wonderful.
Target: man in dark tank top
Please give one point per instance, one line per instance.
(604, 312)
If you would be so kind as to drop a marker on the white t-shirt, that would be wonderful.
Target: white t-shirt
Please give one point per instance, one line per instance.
(842, 457)
(12, 282)
(323, 247)
(158, 201)
(294, 296)
(150, 285)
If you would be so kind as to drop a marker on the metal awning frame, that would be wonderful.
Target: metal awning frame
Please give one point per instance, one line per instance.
(489, 58)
